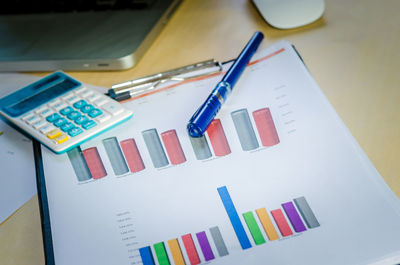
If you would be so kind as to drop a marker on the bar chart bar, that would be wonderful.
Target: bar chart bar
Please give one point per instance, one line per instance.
(132, 155)
(306, 212)
(266, 222)
(205, 246)
(79, 164)
(173, 146)
(266, 127)
(146, 255)
(190, 249)
(244, 129)
(234, 217)
(219, 241)
(176, 252)
(115, 156)
(94, 163)
(161, 254)
(218, 139)
(294, 217)
(200, 147)
(280, 220)
(155, 148)
(253, 227)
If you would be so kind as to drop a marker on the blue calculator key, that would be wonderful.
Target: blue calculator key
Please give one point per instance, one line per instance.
(79, 104)
(73, 115)
(53, 117)
(94, 113)
(59, 122)
(89, 124)
(66, 110)
(75, 131)
(81, 119)
(67, 126)
(87, 108)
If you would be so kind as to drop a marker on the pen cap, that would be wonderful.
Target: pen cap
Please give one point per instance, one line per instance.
(243, 59)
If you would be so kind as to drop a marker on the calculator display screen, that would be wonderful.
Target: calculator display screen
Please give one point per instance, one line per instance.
(37, 94)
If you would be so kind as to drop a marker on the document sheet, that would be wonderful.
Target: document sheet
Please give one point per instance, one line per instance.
(276, 179)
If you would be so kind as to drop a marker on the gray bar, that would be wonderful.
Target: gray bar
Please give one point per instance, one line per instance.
(79, 164)
(200, 147)
(306, 212)
(115, 156)
(244, 129)
(219, 242)
(155, 148)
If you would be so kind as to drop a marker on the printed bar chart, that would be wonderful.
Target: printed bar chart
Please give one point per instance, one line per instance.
(266, 127)
(95, 165)
(200, 147)
(191, 249)
(280, 220)
(132, 155)
(218, 139)
(155, 148)
(173, 146)
(79, 165)
(115, 156)
(205, 246)
(176, 252)
(244, 130)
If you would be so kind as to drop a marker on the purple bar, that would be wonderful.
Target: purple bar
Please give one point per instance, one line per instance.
(205, 246)
(294, 217)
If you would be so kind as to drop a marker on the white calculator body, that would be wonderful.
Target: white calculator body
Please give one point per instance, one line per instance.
(60, 112)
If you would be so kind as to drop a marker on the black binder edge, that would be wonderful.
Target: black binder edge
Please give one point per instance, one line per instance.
(43, 205)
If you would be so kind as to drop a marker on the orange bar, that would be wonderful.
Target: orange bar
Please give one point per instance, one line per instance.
(176, 252)
(267, 224)
(218, 139)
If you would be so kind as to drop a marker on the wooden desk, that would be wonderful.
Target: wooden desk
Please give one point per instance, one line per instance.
(352, 52)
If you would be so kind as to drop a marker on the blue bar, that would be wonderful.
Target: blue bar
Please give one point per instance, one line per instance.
(234, 217)
(147, 257)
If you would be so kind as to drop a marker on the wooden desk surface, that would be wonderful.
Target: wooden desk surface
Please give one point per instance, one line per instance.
(352, 52)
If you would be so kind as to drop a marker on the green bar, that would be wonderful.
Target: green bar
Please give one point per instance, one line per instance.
(253, 227)
(161, 253)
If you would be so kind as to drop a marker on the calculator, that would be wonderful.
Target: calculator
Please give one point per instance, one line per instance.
(60, 112)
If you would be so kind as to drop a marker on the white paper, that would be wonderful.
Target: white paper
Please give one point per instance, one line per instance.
(106, 220)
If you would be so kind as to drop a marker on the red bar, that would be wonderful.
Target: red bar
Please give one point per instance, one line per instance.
(266, 127)
(218, 139)
(173, 146)
(190, 249)
(94, 163)
(132, 155)
(280, 220)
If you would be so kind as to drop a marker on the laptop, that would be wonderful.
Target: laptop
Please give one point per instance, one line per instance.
(47, 35)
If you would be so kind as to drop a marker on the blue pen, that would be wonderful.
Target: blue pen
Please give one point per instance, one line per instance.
(202, 118)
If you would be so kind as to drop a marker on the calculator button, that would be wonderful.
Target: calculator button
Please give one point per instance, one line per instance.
(54, 102)
(93, 97)
(53, 134)
(94, 113)
(27, 116)
(46, 112)
(80, 89)
(101, 101)
(60, 122)
(87, 108)
(66, 110)
(79, 104)
(75, 131)
(68, 95)
(72, 99)
(40, 109)
(53, 117)
(89, 124)
(47, 128)
(39, 124)
(61, 139)
(103, 117)
(67, 126)
(80, 120)
(113, 107)
(59, 106)
(86, 93)
(73, 115)
(32, 119)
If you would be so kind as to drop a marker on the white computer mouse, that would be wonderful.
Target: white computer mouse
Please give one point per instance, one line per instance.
(287, 14)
